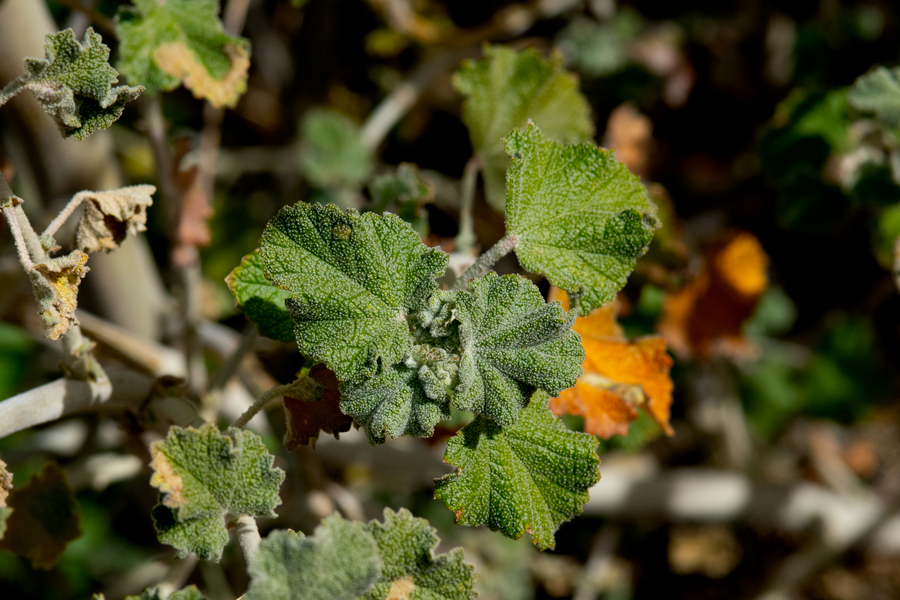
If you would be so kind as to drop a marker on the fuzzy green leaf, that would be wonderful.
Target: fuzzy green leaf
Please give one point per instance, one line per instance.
(165, 43)
(338, 562)
(879, 92)
(512, 343)
(578, 216)
(411, 570)
(333, 154)
(204, 474)
(404, 192)
(261, 300)
(353, 280)
(75, 84)
(507, 88)
(530, 477)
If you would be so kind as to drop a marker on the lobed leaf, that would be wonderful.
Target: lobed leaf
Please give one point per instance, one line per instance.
(261, 300)
(353, 280)
(109, 217)
(512, 343)
(878, 92)
(204, 474)
(578, 216)
(529, 477)
(507, 88)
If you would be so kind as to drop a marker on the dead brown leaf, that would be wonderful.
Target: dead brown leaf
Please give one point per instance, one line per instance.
(109, 217)
(55, 284)
(306, 419)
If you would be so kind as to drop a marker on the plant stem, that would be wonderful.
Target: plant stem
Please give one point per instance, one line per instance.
(21, 247)
(303, 388)
(248, 341)
(466, 238)
(248, 536)
(485, 261)
(64, 214)
(79, 357)
(12, 88)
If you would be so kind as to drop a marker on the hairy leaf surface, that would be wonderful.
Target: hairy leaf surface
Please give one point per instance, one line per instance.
(261, 300)
(879, 92)
(578, 216)
(507, 88)
(353, 280)
(512, 343)
(530, 477)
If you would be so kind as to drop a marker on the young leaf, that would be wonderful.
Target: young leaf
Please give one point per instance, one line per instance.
(44, 518)
(204, 474)
(529, 477)
(338, 562)
(513, 343)
(879, 92)
(261, 300)
(109, 217)
(353, 280)
(333, 154)
(507, 88)
(307, 417)
(578, 216)
(169, 42)
(55, 282)
(74, 84)
(411, 570)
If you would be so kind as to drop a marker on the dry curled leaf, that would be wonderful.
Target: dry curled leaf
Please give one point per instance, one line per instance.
(109, 217)
(55, 284)
(705, 316)
(6, 484)
(619, 375)
(307, 418)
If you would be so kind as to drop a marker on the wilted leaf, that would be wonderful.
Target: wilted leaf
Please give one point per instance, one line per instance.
(619, 376)
(44, 518)
(507, 88)
(338, 562)
(307, 417)
(165, 43)
(109, 217)
(353, 280)
(878, 92)
(74, 83)
(333, 154)
(513, 343)
(6, 484)
(705, 317)
(578, 216)
(204, 474)
(261, 300)
(55, 282)
(530, 477)
(411, 570)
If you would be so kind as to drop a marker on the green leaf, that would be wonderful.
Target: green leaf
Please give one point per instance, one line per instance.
(353, 280)
(530, 477)
(411, 570)
(507, 88)
(878, 92)
(513, 343)
(74, 83)
(338, 562)
(578, 216)
(333, 154)
(261, 300)
(166, 43)
(204, 474)
(405, 193)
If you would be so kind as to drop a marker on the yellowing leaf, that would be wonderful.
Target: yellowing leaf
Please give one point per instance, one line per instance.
(619, 376)
(177, 60)
(55, 284)
(110, 216)
(706, 315)
(305, 419)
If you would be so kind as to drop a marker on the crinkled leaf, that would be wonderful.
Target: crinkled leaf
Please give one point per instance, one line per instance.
(204, 474)
(879, 92)
(75, 84)
(6, 483)
(109, 217)
(261, 300)
(55, 282)
(578, 216)
(507, 88)
(333, 154)
(166, 43)
(411, 570)
(512, 343)
(353, 280)
(44, 519)
(317, 411)
(189, 593)
(530, 477)
(338, 562)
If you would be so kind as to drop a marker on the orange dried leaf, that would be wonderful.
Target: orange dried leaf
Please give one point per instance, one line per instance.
(307, 418)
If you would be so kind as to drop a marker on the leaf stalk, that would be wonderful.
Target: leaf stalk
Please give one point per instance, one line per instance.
(486, 261)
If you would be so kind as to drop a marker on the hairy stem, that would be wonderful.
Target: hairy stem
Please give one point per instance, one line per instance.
(12, 88)
(21, 247)
(64, 214)
(79, 357)
(486, 261)
(466, 238)
(248, 536)
(303, 388)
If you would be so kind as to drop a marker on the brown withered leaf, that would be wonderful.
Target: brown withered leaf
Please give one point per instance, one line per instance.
(55, 284)
(109, 217)
(619, 375)
(44, 519)
(705, 317)
(179, 61)
(307, 418)
(6, 484)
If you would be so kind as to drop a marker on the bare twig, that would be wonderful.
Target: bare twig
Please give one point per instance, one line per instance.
(466, 238)
(226, 371)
